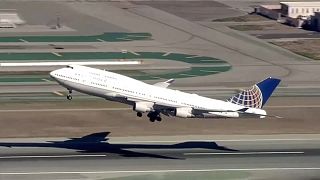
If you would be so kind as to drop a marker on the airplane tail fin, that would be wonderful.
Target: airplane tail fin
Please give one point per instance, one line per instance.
(257, 95)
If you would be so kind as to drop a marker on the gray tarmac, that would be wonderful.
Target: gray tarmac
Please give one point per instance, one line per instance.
(172, 33)
(310, 35)
(46, 15)
(137, 148)
(54, 116)
(249, 157)
(220, 90)
(194, 10)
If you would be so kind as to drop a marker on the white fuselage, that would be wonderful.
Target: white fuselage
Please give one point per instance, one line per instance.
(116, 87)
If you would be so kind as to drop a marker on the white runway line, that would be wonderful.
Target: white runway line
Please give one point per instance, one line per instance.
(125, 39)
(195, 56)
(58, 93)
(209, 71)
(162, 171)
(246, 153)
(190, 75)
(57, 156)
(208, 60)
(57, 54)
(166, 54)
(58, 110)
(23, 40)
(65, 63)
(156, 77)
(101, 40)
(132, 52)
(132, 35)
(46, 80)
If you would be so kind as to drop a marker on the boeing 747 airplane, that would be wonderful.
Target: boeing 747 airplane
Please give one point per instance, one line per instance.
(158, 99)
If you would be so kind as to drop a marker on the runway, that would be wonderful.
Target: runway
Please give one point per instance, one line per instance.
(57, 117)
(175, 148)
(89, 157)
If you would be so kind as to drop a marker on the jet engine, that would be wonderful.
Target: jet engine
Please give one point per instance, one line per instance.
(142, 107)
(184, 112)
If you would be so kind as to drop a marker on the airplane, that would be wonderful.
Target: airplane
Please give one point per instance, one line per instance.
(158, 99)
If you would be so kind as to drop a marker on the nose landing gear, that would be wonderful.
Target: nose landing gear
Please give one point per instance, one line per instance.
(139, 114)
(69, 96)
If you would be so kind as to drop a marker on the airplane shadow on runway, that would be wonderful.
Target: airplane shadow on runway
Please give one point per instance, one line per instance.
(98, 143)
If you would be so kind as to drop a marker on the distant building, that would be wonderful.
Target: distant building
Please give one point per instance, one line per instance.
(5, 23)
(270, 11)
(299, 9)
(315, 21)
(293, 13)
(10, 19)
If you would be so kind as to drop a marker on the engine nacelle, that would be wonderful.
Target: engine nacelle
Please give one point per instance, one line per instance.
(183, 112)
(142, 107)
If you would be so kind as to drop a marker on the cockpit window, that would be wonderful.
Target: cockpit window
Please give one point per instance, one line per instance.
(70, 67)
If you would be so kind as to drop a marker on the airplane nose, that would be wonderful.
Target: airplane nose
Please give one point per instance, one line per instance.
(53, 74)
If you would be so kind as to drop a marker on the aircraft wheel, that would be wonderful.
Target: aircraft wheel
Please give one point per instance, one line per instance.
(139, 114)
(152, 119)
(158, 118)
(69, 97)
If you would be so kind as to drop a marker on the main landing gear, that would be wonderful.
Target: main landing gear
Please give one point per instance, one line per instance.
(154, 116)
(69, 96)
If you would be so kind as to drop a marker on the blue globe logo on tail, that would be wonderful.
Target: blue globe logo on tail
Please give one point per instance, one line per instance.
(249, 98)
(257, 95)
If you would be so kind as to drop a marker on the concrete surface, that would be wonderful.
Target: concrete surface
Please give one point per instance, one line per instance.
(30, 111)
(232, 157)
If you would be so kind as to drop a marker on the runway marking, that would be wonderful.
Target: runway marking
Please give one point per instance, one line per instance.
(23, 40)
(190, 57)
(57, 63)
(54, 110)
(132, 35)
(209, 71)
(101, 40)
(166, 54)
(58, 93)
(156, 77)
(208, 60)
(162, 171)
(46, 80)
(137, 54)
(190, 75)
(57, 54)
(57, 156)
(246, 153)
(126, 39)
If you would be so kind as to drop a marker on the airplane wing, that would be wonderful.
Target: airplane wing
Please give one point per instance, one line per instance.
(164, 84)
